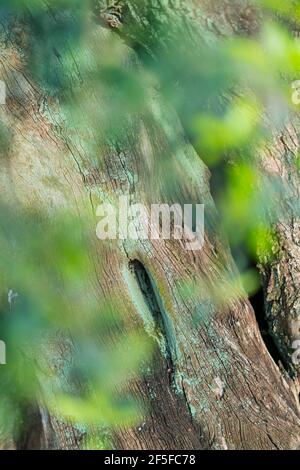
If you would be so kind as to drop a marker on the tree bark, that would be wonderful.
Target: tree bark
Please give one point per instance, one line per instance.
(213, 383)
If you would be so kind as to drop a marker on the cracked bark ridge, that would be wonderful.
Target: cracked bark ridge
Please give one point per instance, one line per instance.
(282, 276)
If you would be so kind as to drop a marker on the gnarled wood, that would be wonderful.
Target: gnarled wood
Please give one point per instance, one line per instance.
(209, 343)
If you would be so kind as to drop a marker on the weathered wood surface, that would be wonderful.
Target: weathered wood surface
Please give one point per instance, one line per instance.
(209, 20)
(258, 408)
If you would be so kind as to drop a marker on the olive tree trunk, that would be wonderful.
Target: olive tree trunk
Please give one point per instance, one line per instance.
(213, 383)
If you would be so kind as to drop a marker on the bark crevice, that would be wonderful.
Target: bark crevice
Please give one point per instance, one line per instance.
(163, 326)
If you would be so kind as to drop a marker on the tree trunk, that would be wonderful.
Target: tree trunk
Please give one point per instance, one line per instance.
(212, 383)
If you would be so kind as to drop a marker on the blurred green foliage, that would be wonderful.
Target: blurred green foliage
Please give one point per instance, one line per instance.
(52, 305)
(222, 89)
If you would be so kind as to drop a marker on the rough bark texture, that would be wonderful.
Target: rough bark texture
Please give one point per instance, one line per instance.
(257, 407)
(282, 276)
(221, 18)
